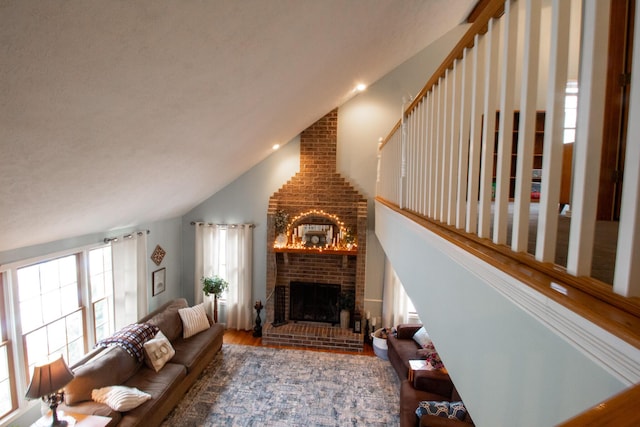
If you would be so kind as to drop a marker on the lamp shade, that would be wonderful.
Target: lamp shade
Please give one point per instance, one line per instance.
(48, 379)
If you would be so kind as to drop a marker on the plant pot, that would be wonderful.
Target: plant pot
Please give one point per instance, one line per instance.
(344, 319)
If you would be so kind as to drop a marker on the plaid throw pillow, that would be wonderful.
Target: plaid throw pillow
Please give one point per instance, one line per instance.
(131, 338)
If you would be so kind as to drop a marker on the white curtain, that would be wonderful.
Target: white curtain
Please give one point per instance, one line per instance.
(235, 266)
(206, 258)
(239, 262)
(129, 255)
(395, 306)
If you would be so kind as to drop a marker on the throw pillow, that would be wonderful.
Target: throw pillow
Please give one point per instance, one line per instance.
(112, 365)
(120, 398)
(422, 337)
(194, 320)
(158, 351)
(452, 410)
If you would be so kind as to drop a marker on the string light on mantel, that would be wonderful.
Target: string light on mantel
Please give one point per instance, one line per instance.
(332, 242)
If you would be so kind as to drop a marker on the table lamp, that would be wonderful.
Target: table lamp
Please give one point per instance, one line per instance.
(47, 382)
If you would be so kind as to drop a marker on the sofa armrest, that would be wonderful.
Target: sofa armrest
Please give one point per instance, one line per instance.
(434, 381)
(405, 331)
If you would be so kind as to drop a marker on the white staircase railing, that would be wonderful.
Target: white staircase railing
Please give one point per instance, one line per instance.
(451, 159)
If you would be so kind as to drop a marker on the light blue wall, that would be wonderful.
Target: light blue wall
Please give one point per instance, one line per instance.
(510, 369)
(361, 122)
(243, 201)
(167, 234)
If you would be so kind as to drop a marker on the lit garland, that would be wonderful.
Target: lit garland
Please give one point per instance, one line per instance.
(315, 212)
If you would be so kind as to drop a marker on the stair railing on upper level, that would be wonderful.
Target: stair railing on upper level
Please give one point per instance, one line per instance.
(435, 162)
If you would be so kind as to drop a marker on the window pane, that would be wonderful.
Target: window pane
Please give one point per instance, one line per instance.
(4, 364)
(36, 349)
(28, 282)
(76, 351)
(49, 276)
(102, 332)
(571, 102)
(100, 312)
(69, 299)
(31, 314)
(57, 336)
(5, 397)
(74, 326)
(570, 117)
(51, 309)
(569, 136)
(68, 270)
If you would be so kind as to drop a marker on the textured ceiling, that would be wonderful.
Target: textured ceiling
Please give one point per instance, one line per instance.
(118, 113)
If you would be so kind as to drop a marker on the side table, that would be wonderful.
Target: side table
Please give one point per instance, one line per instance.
(74, 420)
(421, 365)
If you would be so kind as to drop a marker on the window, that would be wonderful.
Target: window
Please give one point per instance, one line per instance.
(8, 401)
(570, 111)
(50, 311)
(101, 284)
(59, 304)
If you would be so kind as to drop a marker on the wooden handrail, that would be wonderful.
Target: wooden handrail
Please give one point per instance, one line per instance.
(585, 296)
(492, 8)
(619, 411)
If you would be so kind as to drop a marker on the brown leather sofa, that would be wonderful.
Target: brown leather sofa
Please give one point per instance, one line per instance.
(433, 385)
(114, 366)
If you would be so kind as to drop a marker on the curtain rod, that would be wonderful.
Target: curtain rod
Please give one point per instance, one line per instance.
(126, 236)
(210, 224)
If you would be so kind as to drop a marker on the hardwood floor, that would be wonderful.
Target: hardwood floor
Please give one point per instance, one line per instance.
(233, 336)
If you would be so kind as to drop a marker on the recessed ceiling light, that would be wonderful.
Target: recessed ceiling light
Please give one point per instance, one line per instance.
(275, 146)
(360, 87)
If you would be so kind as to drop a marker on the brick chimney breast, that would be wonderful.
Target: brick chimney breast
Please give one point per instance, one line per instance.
(317, 187)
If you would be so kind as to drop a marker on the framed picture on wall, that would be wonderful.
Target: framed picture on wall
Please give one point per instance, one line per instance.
(159, 277)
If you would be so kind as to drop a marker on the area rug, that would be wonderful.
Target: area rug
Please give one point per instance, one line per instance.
(259, 386)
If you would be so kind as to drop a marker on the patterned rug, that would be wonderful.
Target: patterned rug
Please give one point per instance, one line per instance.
(259, 386)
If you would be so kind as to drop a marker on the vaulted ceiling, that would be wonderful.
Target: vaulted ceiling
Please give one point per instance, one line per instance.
(118, 113)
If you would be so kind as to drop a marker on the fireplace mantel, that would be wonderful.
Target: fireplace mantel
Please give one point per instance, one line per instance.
(318, 251)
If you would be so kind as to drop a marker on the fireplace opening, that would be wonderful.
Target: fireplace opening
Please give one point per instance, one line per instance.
(314, 302)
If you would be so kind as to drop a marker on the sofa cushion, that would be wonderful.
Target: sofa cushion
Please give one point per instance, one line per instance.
(194, 320)
(159, 385)
(168, 320)
(112, 366)
(190, 350)
(422, 337)
(158, 351)
(131, 338)
(120, 398)
(452, 410)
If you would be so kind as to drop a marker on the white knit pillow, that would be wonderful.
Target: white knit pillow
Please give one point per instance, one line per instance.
(158, 351)
(194, 320)
(120, 398)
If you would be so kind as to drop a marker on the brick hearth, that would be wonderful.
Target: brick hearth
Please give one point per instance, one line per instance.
(308, 335)
(317, 188)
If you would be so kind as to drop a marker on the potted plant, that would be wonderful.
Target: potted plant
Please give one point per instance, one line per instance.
(215, 286)
(346, 303)
(280, 220)
(349, 238)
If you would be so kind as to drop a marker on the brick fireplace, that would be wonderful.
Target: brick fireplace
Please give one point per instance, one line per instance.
(325, 244)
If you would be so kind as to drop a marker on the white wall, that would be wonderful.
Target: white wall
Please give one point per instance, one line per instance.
(509, 367)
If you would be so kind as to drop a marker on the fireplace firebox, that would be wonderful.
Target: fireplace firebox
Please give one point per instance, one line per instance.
(314, 302)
